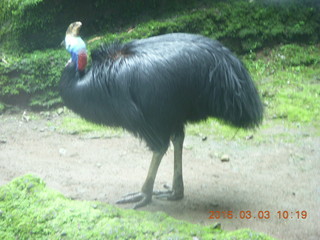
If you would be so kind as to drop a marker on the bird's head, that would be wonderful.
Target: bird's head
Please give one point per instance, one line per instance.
(76, 46)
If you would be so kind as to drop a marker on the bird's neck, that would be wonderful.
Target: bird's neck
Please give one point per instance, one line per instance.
(68, 87)
(79, 94)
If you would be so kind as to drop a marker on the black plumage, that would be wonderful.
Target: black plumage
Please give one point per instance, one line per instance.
(153, 87)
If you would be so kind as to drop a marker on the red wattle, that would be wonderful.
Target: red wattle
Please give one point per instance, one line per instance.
(82, 61)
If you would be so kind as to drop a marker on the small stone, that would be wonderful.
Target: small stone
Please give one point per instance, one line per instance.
(214, 205)
(74, 155)
(249, 137)
(25, 117)
(42, 130)
(62, 152)
(216, 226)
(60, 111)
(2, 141)
(225, 158)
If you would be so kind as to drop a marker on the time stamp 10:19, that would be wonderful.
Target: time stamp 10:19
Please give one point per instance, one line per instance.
(258, 215)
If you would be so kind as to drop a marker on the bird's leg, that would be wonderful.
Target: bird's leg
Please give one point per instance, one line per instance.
(144, 197)
(177, 185)
(177, 191)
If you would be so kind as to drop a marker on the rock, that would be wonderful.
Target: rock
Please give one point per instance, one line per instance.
(214, 205)
(60, 111)
(42, 129)
(216, 226)
(74, 155)
(25, 117)
(3, 141)
(62, 152)
(225, 158)
(166, 186)
(249, 137)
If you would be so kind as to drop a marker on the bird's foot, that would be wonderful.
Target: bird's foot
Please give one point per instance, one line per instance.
(168, 195)
(142, 199)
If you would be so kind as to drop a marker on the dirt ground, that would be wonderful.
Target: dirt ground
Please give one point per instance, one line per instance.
(276, 174)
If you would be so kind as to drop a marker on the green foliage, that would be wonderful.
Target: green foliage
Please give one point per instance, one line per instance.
(16, 20)
(29, 210)
(245, 25)
(289, 81)
(2, 108)
(241, 25)
(35, 74)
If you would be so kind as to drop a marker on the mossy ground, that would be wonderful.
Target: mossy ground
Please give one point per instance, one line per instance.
(72, 124)
(29, 210)
(289, 80)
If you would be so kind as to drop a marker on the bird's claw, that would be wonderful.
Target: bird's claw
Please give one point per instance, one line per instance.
(142, 199)
(163, 195)
(168, 195)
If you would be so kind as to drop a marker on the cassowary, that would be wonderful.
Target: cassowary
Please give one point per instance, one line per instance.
(152, 87)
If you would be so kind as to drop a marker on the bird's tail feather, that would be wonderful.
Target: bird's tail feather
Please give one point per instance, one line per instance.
(234, 97)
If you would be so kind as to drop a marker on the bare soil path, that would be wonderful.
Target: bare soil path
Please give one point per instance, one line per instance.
(277, 174)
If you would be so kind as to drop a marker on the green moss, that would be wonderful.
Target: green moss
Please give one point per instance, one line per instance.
(2, 108)
(29, 210)
(288, 79)
(298, 105)
(34, 75)
(243, 26)
(76, 125)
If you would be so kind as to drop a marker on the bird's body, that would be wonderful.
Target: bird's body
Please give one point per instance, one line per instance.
(153, 87)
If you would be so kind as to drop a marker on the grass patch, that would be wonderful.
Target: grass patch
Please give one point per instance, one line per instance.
(289, 80)
(29, 210)
(215, 128)
(73, 124)
(2, 108)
